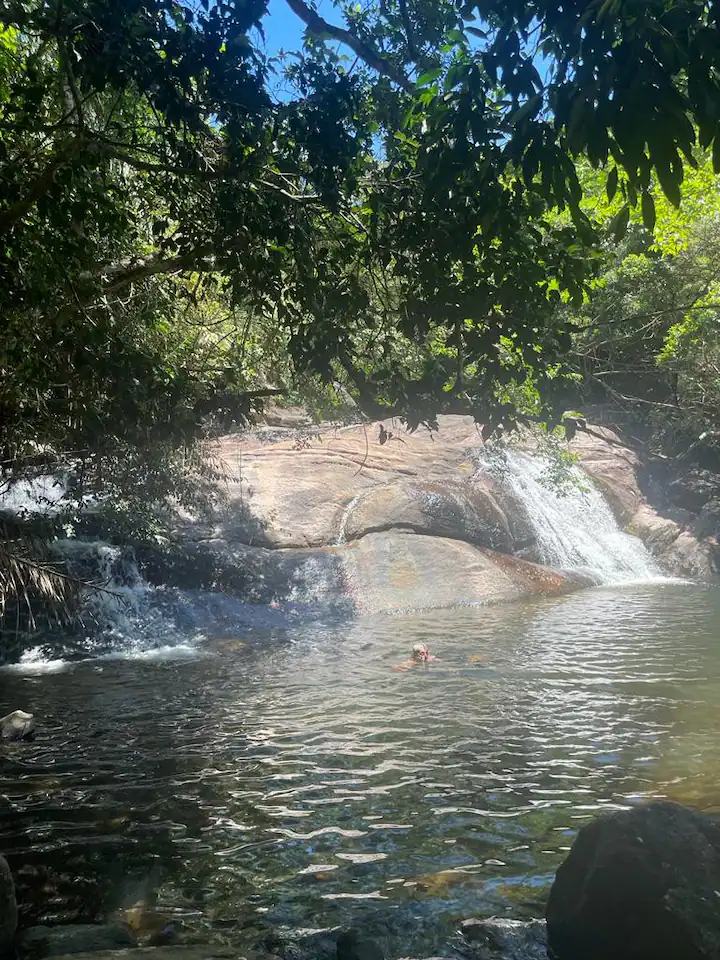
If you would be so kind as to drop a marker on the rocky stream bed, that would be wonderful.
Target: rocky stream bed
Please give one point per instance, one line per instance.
(638, 884)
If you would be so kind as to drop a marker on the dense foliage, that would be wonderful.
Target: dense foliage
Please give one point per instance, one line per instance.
(406, 213)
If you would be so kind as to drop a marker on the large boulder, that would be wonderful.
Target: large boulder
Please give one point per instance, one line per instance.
(402, 571)
(298, 493)
(458, 511)
(642, 884)
(8, 907)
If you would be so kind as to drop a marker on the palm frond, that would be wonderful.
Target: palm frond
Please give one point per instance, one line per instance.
(30, 583)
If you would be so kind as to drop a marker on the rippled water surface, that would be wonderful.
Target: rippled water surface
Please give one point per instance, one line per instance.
(295, 780)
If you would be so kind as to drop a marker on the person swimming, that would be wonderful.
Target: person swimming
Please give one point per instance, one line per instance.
(420, 654)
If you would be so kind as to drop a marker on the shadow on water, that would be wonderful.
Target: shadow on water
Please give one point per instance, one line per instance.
(281, 775)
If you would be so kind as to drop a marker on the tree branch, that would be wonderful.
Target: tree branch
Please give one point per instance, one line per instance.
(319, 26)
(124, 272)
(66, 63)
(408, 29)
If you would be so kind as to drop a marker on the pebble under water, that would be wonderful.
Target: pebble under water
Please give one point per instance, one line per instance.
(290, 779)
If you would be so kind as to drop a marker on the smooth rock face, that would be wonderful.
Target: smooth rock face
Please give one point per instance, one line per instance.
(297, 494)
(8, 907)
(17, 725)
(396, 571)
(642, 884)
(684, 542)
(38, 942)
(504, 939)
(337, 518)
(341, 519)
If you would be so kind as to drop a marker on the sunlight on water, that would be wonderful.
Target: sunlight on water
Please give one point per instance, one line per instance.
(292, 779)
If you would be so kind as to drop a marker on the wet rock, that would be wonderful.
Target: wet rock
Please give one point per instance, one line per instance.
(400, 571)
(694, 490)
(8, 907)
(690, 557)
(38, 942)
(460, 512)
(642, 884)
(351, 945)
(17, 725)
(500, 939)
(314, 946)
(613, 467)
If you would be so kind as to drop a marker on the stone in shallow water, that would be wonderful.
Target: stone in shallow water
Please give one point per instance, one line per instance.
(40, 941)
(504, 939)
(351, 945)
(17, 725)
(640, 884)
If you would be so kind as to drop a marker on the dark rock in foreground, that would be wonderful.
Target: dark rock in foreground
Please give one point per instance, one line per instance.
(642, 884)
(504, 939)
(38, 942)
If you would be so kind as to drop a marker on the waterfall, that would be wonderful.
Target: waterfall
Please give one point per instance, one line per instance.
(573, 524)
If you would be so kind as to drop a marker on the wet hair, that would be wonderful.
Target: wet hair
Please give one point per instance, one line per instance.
(419, 650)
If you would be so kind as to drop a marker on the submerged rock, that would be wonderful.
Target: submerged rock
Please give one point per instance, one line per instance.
(642, 884)
(351, 945)
(17, 725)
(41, 941)
(500, 939)
(8, 907)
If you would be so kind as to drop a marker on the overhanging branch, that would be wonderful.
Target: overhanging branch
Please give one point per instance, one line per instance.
(124, 272)
(319, 26)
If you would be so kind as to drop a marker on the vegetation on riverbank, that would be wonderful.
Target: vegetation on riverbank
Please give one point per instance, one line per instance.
(433, 207)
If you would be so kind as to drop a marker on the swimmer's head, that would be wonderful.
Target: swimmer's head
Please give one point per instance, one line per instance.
(420, 652)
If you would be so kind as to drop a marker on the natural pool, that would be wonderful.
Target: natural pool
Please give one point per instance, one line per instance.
(289, 778)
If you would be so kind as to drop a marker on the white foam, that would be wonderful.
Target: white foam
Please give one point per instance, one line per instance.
(574, 526)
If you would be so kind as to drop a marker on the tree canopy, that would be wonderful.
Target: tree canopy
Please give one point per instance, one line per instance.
(444, 206)
(393, 217)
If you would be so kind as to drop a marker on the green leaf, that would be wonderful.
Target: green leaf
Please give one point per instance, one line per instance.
(648, 211)
(456, 37)
(619, 223)
(528, 109)
(716, 153)
(430, 76)
(612, 184)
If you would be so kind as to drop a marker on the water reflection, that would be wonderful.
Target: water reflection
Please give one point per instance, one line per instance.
(304, 783)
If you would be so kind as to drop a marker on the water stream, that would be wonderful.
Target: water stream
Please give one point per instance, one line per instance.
(246, 769)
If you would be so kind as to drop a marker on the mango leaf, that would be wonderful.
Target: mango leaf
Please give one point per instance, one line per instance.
(612, 184)
(528, 109)
(430, 76)
(619, 223)
(648, 211)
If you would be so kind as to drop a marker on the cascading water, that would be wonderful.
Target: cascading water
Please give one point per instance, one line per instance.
(574, 526)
